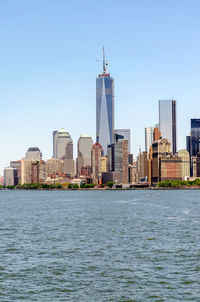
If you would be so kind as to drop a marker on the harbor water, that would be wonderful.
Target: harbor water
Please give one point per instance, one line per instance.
(93, 246)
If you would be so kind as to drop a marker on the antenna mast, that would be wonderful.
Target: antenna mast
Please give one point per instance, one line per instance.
(105, 63)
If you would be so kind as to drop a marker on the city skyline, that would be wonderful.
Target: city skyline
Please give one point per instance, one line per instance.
(40, 73)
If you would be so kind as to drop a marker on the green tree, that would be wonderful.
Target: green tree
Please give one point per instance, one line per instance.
(110, 184)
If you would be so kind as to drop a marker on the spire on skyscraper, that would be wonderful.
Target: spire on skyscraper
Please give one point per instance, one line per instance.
(105, 63)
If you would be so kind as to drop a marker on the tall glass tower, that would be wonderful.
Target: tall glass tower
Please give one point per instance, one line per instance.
(167, 121)
(193, 141)
(104, 108)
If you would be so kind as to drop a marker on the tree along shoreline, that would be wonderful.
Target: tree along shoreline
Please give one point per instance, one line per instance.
(163, 185)
(65, 186)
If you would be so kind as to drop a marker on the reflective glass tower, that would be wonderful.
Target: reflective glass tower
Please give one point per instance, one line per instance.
(167, 122)
(104, 108)
(148, 138)
(195, 137)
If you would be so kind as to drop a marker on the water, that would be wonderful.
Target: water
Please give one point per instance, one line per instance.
(99, 246)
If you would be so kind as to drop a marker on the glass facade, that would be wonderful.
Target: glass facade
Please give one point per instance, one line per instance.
(126, 133)
(167, 121)
(149, 132)
(104, 110)
(195, 137)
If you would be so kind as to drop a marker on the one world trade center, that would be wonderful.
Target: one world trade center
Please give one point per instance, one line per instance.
(104, 108)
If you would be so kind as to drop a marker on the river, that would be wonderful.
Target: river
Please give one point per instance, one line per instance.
(96, 246)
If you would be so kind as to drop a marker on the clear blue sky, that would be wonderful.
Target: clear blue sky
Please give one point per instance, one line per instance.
(48, 67)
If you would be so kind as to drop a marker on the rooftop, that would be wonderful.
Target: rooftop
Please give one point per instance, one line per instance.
(34, 149)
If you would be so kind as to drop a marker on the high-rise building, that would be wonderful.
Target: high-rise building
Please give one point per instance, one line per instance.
(167, 121)
(156, 134)
(126, 133)
(130, 159)
(54, 143)
(32, 171)
(159, 149)
(10, 177)
(149, 138)
(17, 165)
(143, 166)
(193, 145)
(33, 153)
(54, 167)
(121, 157)
(195, 137)
(84, 148)
(104, 108)
(117, 161)
(103, 164)
(63, 149)
(96, 162)
(111, 157)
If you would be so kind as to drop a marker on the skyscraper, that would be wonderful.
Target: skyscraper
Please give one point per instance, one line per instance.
(63, 149)
(195, 137)
(84, 149)
(54, 167)
(33, 153)
(121, 157)
(167, 121)
(126, 133)
(193, 145)
(96, 158)
(104, 108)
(148, 138)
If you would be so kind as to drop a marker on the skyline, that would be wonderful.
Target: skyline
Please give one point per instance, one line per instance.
(48, 82)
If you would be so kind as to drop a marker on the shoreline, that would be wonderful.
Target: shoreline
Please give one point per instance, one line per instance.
(105, 189)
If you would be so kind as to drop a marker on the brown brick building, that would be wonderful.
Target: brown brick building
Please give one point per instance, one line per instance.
(170, 167)
(96, 161)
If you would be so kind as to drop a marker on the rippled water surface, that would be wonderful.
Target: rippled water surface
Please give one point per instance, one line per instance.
(99, 246)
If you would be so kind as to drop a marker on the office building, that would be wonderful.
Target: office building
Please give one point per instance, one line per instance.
(121, 157)
(96, 161)
(103, 164)
(170, 167)
(54, 142)
(32, 171)
(84, 148)
(126, 133)
(17, 165)
(112, 176)
(111, 158)
(159, 149)
(130, 159)
(193, 144)
(156, 134)
(167, 122)
(143, 166)
(194, 138)
(87, 173)
(54, 167)
(63, 149)
(10, 177)
(149, 138)
(104, 108)
(185, 157)
(33, 153)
